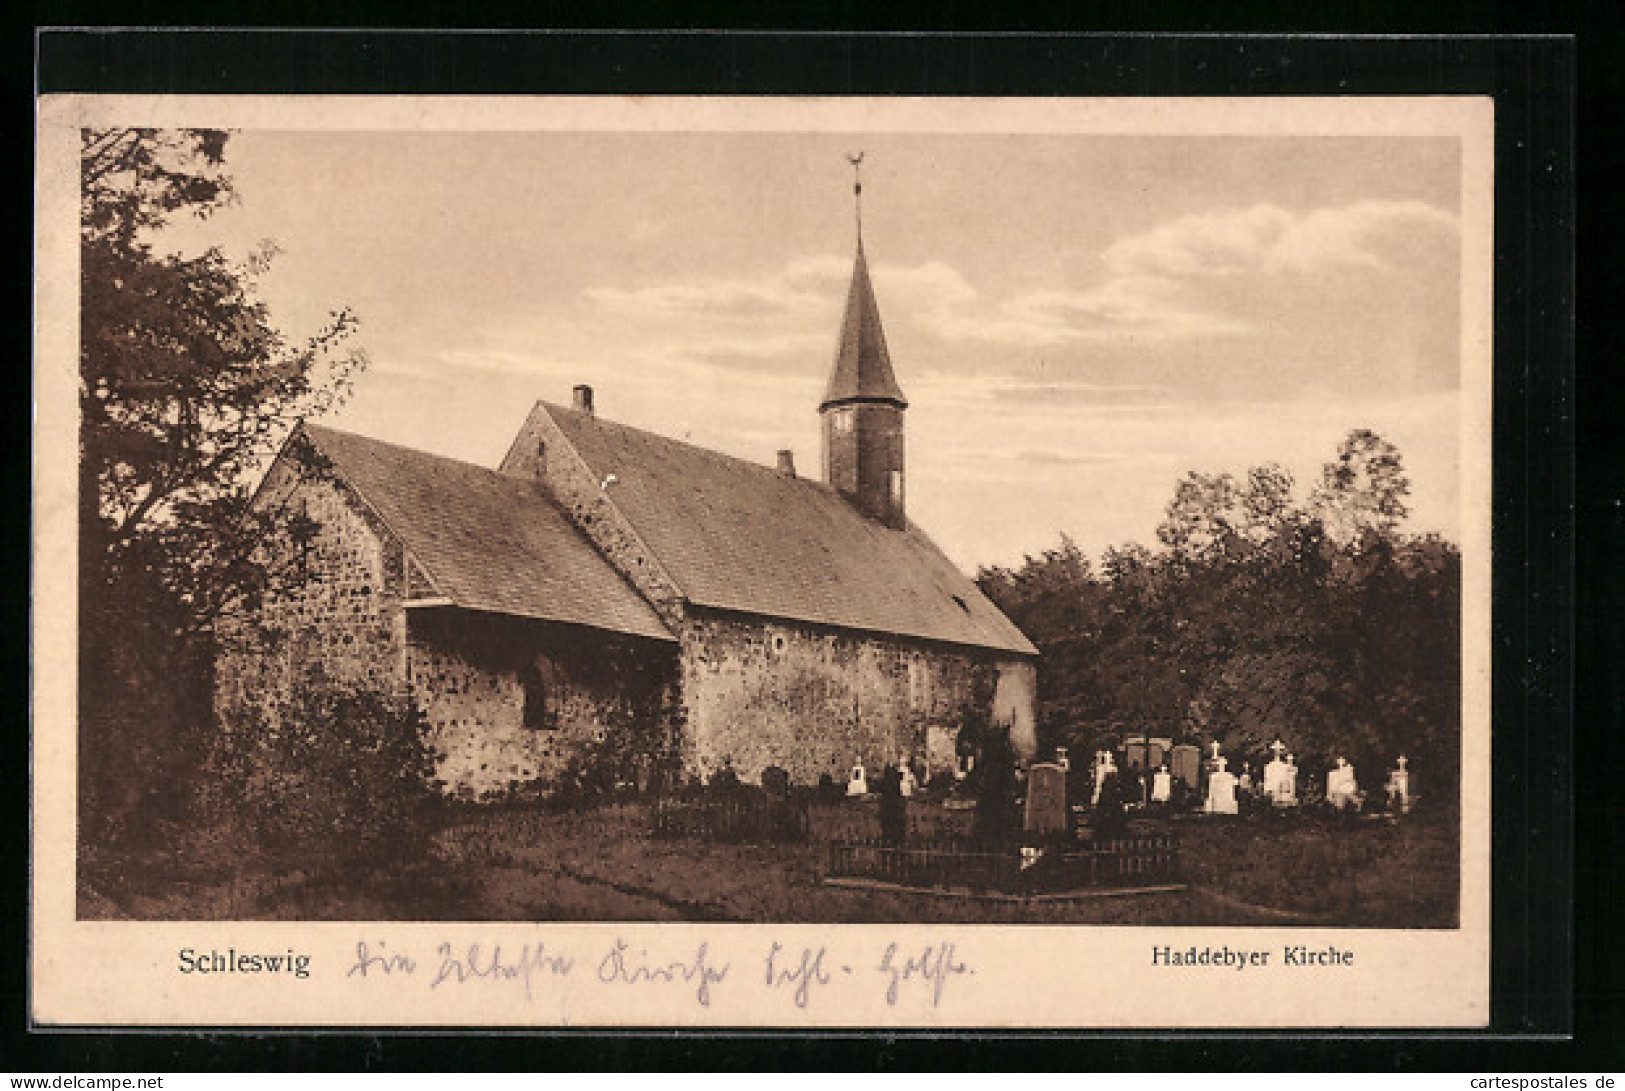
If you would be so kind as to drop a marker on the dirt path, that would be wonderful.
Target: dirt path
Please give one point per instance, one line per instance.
(690, 910)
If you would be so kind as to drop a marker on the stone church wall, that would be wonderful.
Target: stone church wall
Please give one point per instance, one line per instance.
(512, 702)
(759, 693)
(468, 673)
(341, 622)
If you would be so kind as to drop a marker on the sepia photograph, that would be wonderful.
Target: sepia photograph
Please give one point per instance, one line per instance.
(644, 513)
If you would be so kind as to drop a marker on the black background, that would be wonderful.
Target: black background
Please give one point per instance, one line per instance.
(1556, 962)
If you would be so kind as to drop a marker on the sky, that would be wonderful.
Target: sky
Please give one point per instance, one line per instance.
(1076, 320)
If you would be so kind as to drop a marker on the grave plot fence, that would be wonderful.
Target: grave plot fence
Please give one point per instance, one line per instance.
(752, 818)
(1117, 862)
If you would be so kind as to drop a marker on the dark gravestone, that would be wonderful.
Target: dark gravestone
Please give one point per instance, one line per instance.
(1135, 753)
(775, 782)
(1185, 763)
(1156, 752)
(1046, 800)
(893, 807)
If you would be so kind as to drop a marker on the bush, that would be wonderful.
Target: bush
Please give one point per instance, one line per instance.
(341, 777)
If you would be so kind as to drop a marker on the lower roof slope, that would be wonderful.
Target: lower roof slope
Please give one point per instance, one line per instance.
(487, 541)
(738, 536)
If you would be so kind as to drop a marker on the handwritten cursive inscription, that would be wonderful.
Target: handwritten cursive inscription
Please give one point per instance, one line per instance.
(803, 972)
(475, 965)
(366, 962)
(621, 966)
(910, 974)
(934, 965)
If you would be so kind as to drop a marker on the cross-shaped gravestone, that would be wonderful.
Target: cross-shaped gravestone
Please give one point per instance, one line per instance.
(1279, 748)
(1221, 794)
(1215, 749)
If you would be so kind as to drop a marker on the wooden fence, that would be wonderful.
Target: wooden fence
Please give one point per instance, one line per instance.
(1150, 860)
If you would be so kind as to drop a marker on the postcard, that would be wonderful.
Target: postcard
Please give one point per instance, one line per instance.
(703, 562)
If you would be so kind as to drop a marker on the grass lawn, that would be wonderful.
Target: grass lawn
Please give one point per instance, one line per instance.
(599, 864)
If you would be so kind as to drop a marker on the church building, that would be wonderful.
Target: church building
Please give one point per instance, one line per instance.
(610, 601)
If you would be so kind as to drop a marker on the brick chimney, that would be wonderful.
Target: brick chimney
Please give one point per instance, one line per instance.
(787, 463)
(581, 399)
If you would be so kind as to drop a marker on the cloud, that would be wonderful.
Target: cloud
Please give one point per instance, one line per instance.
(1268, 239)
(1183, 279)
(799, 289)
(1099, 397)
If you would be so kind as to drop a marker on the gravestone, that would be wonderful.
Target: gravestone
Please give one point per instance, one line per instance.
(893, 807)
(1156, 751)
(1399, 787)
(1135, 752)
(1221, 790)
(1185, 763)
(858, 783)
(1046, 799)
(908, 783)
(1105, 767)
(1162, 785)
(1275, 776)
(775, 782)
(1342, 790)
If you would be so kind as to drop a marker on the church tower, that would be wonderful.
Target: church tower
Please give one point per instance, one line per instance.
(863, 406)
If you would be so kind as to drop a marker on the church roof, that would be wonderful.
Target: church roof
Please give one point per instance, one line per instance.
(863, 370)
(738, 536)
(487, 541)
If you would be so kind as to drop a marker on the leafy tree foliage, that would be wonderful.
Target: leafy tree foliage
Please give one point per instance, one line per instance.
(1257, 617)
(185, 387)
(330, 775)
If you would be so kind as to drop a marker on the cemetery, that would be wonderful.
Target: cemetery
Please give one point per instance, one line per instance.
(1145, 833)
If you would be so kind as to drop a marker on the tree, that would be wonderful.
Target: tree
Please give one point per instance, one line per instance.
(185, 388)
(1259, 617)
(185, 385)
(1362, 492)
(1202, 519)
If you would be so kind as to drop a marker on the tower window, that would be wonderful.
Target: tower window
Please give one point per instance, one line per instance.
(896, 481)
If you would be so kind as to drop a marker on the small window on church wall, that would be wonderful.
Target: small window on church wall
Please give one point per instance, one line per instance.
(778, 643)
(897, 486)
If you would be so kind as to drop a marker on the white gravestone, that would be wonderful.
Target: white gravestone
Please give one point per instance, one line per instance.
(1399, 786)
(859, 784)
(909, 783)
(1342, 790)
(1104, 767)
(1221, 789)
(1162, 786)
(1275, 775)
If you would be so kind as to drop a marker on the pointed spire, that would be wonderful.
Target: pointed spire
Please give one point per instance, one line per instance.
(863, 370)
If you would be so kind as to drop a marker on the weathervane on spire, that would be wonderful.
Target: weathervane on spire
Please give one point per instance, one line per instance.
(857, 190)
